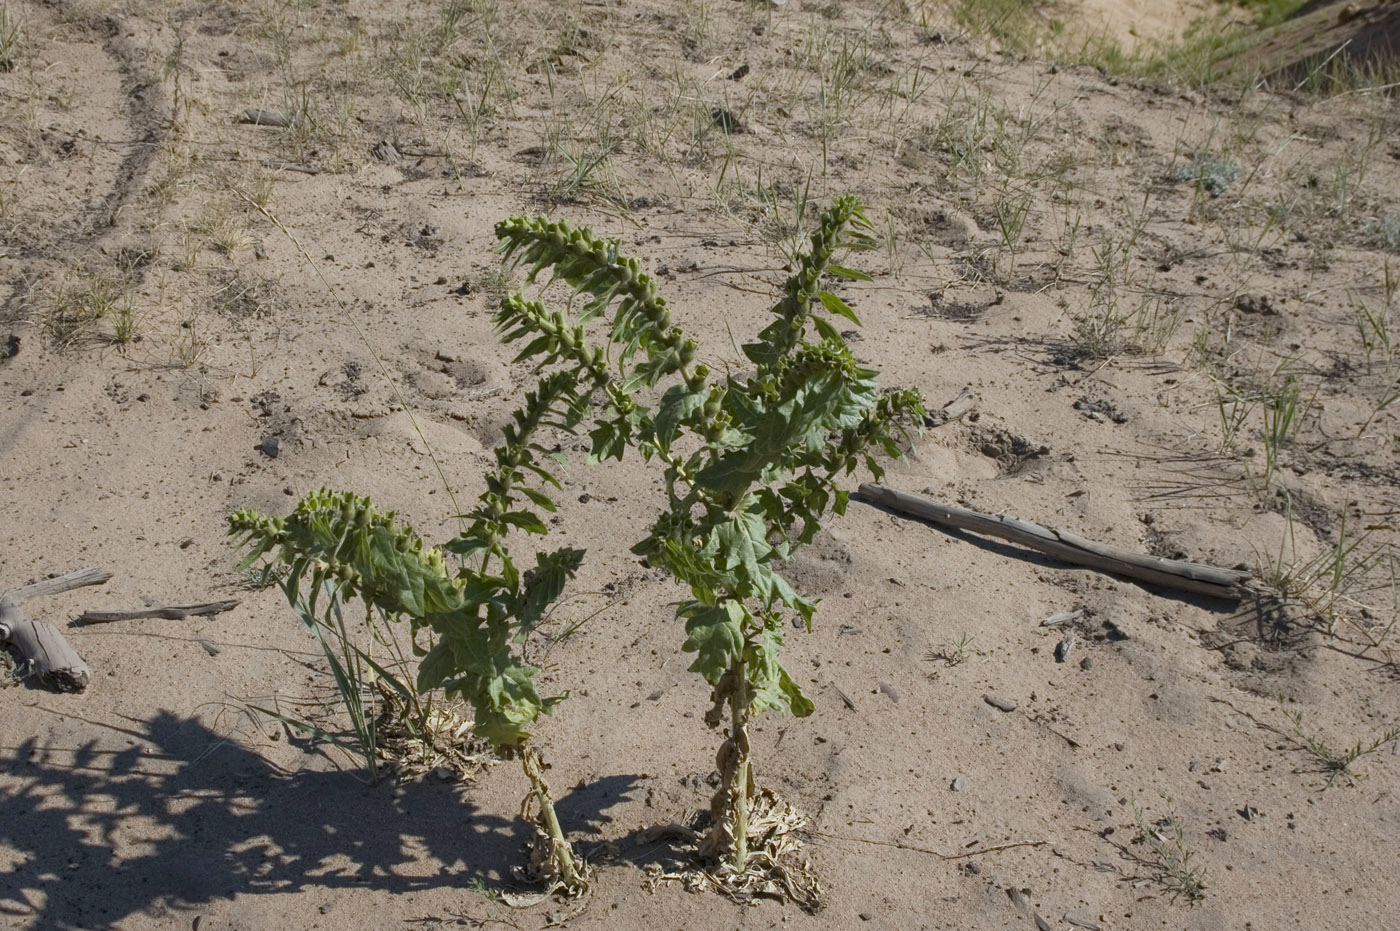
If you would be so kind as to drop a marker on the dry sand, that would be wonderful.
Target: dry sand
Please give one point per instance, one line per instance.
(153, 801)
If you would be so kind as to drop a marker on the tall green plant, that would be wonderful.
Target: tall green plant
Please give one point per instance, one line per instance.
(477, 614)
(751, 462)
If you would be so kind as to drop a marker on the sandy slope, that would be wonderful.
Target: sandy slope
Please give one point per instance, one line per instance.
(151, 801)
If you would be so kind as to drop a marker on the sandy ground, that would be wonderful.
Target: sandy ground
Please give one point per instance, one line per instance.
(1172, 304)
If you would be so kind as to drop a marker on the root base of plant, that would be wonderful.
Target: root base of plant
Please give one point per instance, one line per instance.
(441, 741)
(774, 870)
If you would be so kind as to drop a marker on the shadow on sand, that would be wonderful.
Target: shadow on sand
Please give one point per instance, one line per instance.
(199, 818)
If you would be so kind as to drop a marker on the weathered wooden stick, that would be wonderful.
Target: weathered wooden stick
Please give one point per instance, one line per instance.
(43, 646)
(169, 612)
(1226, 584)
(63, 583)
(956, 409)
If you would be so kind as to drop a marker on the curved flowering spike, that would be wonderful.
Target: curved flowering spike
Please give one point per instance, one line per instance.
(641, 319)
(803, 286)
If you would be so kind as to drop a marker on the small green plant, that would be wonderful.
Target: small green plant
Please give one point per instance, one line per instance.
(1385, 231)
(1166, 839)
(477, 616)
(9, 39)
(1283, 410)
(1329, 584)
(73, 310)
(124, 323)
(750, 462)
(1011, 214)
(1373, 322)
(955, 652)
(354, 672)
(1331, 763)
(1212, 176)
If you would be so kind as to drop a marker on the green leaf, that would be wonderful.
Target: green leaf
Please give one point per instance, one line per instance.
(716, 635)
(678, 403)
(737, 547)
(841, 271)
(539, 498)
(826, 331)
(799, 703)
(545, 583)
(838, 306)
(436, 667)
(609, 441)
(526, 521)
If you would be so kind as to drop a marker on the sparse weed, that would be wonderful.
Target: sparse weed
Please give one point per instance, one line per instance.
(1373, 322)
(71, 311)
(124, 323)
(1014, 23)
(10, 39)
(1011, 213)
(954, 653)
(1155, 322)
(1385, 232)
(1172, 856)
(1330, 584)
(225, 231)
(1283, 408)
(189, 348)
(1099, 334)
(1331, 763)
(1212, 176)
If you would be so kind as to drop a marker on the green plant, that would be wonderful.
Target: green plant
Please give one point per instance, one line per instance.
(1331, 763)
(353, 670)
(477, 616)
(1282, 418)
(9, 39)
(1385, 231)
(72, 310)
(750, 462)
(1330, 583)
(1166, 839)
(1212, 176)
(1010, 215)
(1373, 323)
(955, 652)
(124, 322)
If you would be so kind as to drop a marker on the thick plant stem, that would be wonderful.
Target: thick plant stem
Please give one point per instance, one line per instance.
(561, 866)
(728, 840)
(739, 792)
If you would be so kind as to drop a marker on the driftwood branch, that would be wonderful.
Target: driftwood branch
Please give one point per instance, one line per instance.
(169, 612)
(1226, 584)
(956, 409)
(62, 583)
(43, 648)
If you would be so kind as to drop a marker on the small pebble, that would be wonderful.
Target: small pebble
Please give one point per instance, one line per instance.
(1086, 663)
(958, 784)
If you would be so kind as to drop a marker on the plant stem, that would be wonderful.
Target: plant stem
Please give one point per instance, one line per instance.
(561, 854)
(739, 784)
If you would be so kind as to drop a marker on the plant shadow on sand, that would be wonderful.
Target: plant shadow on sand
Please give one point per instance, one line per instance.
(184, 817)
